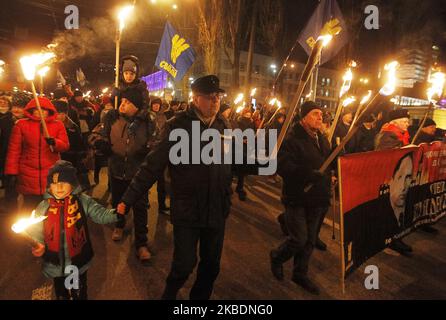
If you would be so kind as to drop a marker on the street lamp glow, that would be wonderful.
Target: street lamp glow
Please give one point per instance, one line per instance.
(105, 90)
(273, 66)
(174, 7)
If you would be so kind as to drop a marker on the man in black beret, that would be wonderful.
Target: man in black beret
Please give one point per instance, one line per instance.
(201, 193)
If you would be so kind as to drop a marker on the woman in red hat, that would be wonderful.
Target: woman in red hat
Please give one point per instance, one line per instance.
(29, 153)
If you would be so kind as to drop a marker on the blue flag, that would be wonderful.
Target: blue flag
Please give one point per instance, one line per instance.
(326, 19)
(175, 55)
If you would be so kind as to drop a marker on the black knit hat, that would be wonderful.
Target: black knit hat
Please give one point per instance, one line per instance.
(134, 95)
(398, 114)
(307, 106)
(130, 63)
(429, 122)
(62, 171)
(156, 100)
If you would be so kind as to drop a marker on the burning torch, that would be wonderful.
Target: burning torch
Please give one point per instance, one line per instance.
(321, 42)
(29, 66)
(122, 16)
(347, 81)
(22, 225)
(437, 81)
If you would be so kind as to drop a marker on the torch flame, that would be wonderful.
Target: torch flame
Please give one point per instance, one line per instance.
(2, 62)
(239, 109)
(105, 90)
(366, 97)
(239, 98)
(30, 63)
(325, 39)
(348, 101)
(42, 72)
(253, 92)
(87, 94)
(390, 85)
(122, 16)
(23, 224)
(347, 78)
(437, 81)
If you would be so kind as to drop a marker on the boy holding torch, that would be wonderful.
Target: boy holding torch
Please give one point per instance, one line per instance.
(63, 238)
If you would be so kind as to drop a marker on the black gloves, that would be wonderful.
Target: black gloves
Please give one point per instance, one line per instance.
(50, 141)
(316, 177)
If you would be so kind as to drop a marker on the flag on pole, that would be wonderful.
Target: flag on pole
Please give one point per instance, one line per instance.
(80, 77)
(326, 19)
(60, 78)
(175, 55)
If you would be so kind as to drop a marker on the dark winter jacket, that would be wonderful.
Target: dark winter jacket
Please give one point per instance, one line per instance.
(139, 84)
(424, 138)
(298, 157)
(200, 192)
(362, 141)
(340, 132)
(77, 147)
(129, 142)
(6, 124)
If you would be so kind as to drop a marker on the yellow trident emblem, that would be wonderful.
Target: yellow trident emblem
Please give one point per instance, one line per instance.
(332, 27)
(178, 47)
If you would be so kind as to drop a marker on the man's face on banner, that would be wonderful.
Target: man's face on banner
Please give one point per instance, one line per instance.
(400, 183)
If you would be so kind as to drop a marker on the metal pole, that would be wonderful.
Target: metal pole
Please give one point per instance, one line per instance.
(422, 123)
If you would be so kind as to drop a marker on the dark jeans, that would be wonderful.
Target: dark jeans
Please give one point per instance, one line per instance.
(161, 190)
(118, 188)
(185, 258)
(62, 293)
(303, 225)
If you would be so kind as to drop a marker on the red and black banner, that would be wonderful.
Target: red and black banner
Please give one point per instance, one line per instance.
(388, 194)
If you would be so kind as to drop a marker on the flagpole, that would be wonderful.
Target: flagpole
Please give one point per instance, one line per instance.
(312, 60)
(118, 42)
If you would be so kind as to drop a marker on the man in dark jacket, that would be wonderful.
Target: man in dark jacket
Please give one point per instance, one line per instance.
(6, 124)
(200, 199)
(302, 153)
(128, 132)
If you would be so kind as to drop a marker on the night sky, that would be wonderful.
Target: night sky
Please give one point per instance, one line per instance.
(40, 19)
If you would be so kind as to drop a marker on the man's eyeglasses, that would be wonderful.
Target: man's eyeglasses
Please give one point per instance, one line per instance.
(213, 96)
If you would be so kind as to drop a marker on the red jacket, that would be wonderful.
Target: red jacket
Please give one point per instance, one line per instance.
(29, 156)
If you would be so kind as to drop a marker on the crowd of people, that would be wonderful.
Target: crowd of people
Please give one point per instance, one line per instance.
(132, 142)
